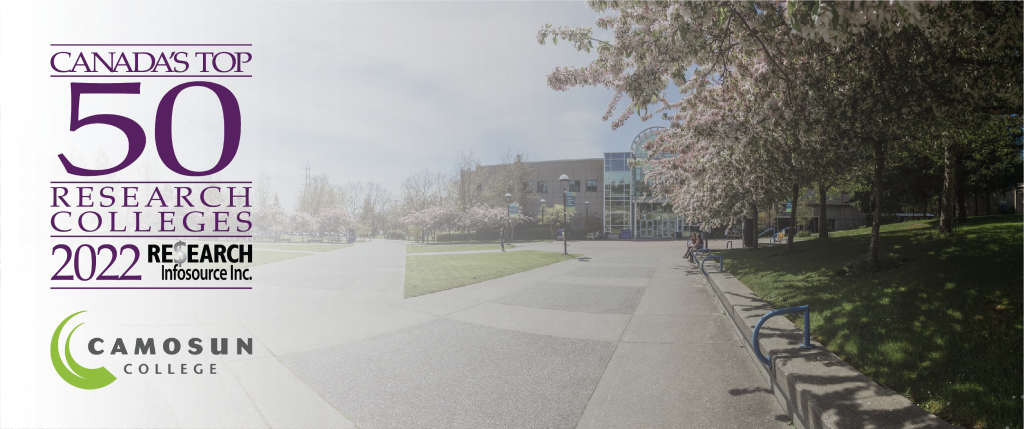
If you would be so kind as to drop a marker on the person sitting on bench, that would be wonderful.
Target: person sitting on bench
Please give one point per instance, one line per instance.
(699, 244)
(690, 244)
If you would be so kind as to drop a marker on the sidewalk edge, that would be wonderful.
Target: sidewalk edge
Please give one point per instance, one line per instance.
(816, 388)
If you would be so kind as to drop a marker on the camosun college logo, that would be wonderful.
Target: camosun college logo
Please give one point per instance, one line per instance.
(78, 376)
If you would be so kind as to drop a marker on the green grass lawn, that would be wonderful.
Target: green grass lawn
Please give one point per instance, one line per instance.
(434, 273)
(427, 248)
(312, 247)
(944, 329)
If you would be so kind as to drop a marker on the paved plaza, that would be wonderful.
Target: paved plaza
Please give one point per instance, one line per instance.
(627, 336)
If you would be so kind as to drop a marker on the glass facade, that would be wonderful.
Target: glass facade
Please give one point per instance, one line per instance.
(617, 207)
(655, 218)
(628, 200)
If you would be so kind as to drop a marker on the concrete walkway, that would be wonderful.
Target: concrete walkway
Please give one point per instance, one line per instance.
(507, 249)
(628, 336)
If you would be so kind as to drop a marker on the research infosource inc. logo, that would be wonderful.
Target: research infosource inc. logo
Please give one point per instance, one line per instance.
(180, 253)
(78, 376)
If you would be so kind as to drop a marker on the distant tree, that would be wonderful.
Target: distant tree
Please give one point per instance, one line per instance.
(270, 218)
(511, 176)
(263, 189)
(468, 179)
(318, 194)
(552, 218)
(305, 223)
(336, 221)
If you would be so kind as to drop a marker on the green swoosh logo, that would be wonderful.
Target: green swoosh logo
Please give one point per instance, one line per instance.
(78, 376)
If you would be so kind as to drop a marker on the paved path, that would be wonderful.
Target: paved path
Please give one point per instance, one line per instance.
(628, 336)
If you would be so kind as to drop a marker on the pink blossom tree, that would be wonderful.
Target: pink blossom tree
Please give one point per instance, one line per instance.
(270, 219)
(792, 89)
(336, 221)
(305, 223)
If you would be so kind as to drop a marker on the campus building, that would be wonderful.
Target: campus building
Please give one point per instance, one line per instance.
(613, 194)
(608, 190)
(839, 213)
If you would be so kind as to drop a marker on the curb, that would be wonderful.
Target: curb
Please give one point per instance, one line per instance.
(815, 388)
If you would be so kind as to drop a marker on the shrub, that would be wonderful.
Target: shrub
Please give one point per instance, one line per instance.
(803, 234)
(395, 235)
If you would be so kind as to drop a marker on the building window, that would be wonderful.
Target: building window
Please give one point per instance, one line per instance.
(574, 186)
(542, 187)
(617, 161)
(527, 186)
(591, 186)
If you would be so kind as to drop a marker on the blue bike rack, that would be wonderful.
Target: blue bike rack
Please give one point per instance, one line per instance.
(721, 263)
(728, 244)
(807, 330)
(698, 252)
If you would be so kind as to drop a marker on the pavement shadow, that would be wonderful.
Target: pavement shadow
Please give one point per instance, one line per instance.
(851, 410)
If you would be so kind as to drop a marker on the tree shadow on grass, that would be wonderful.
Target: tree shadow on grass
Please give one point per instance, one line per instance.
(944, 330)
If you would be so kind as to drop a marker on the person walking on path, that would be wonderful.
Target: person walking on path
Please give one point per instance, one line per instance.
(501, 239)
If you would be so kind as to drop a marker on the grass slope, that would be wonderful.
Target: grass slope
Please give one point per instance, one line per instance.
(427, 248)
(433, 273)
(945, 329)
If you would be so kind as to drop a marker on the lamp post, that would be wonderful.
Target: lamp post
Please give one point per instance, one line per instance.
(587, 219)
(508, 215)
(565, 228)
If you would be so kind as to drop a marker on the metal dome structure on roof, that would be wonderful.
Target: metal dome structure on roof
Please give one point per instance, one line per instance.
(642, 138)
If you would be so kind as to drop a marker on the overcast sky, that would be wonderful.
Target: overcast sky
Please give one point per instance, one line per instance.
(364, 91)
(400, 87)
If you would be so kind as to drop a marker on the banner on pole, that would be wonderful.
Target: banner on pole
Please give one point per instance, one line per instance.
(513, 211)
(570, 203)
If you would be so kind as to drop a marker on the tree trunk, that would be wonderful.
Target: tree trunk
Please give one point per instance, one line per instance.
(976, 211)
(961, 206)
(753, 231)
(876, 221)
(988, 202)
(749, 234)
(948, 190)
(792, 219)
(822, 215)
